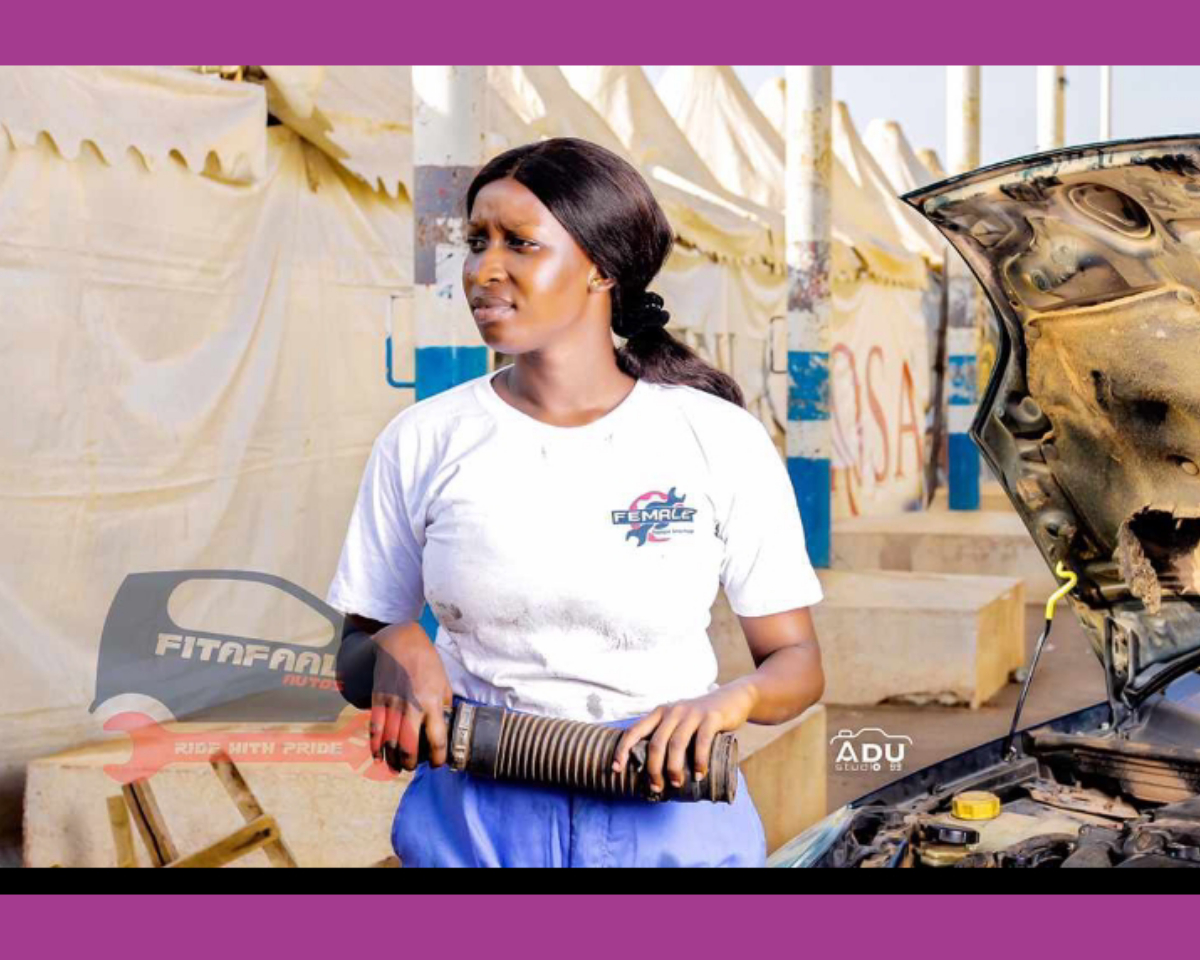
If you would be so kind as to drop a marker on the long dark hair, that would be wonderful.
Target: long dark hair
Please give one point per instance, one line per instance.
(608, 209)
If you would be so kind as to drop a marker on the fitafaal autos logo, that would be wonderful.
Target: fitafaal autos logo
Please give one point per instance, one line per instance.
(204, 675)
(868, 750)
(655, 517)
(220, 677)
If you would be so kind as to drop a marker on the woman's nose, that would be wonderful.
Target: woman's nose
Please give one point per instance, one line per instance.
(489, 265)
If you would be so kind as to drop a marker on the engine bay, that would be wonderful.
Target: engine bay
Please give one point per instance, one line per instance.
(1073, 801)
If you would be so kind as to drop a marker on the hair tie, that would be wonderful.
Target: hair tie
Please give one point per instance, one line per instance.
(645, 312)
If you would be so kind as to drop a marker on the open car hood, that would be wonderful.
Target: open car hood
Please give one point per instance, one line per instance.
(1091, 419)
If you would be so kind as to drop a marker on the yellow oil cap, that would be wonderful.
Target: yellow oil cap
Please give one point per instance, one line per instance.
(975, 805)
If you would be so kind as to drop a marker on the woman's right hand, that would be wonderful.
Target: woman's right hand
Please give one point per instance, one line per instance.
(411, 693)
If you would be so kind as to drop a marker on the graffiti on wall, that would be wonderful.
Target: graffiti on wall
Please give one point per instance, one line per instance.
(879, 376)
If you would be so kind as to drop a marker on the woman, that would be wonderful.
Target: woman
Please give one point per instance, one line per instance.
(569, 518)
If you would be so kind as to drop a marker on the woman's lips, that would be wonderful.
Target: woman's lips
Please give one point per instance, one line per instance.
(492, 312)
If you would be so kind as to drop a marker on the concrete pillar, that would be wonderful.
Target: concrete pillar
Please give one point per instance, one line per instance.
(1105, 103)
(962, 394)
(449, 130)
(809, 175)
(1051, 86)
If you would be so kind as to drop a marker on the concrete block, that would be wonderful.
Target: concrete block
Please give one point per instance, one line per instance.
(918, 637)
(945, 541)
(784, 767)
(910, 636)
(991, 498)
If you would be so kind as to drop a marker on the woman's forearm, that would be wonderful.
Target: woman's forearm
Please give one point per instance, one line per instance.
(786, 683)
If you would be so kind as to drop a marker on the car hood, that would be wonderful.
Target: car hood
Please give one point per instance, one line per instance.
(1091, 420)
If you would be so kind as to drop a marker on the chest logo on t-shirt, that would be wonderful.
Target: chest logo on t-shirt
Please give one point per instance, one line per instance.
(655, 517)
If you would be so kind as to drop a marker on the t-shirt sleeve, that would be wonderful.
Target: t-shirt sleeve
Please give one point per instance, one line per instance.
(379, 573)
(766, 568)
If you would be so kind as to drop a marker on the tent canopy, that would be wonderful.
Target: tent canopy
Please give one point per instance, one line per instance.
(746, 154)
(359, 116)
(916, 233)
(895, 156)
(625, 99)
(155, 111)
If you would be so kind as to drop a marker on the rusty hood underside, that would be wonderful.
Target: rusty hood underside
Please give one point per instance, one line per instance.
(1091, 259)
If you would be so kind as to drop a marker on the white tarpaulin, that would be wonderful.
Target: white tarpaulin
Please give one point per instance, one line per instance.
(192, 374)
(878, 365)
(360, 116)
(155, 111)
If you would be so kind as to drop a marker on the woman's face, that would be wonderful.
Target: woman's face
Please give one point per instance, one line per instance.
(525, 277)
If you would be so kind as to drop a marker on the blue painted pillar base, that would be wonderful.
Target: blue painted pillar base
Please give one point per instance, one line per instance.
(812, 481)
(962, 454)
(964, 472)
(440, 368)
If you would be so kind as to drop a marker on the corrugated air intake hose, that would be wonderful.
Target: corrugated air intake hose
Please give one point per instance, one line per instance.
(502, 745)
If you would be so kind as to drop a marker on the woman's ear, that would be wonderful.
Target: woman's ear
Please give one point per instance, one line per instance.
(596, 283)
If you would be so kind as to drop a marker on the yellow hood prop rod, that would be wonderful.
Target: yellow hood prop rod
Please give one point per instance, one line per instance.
(1007, 751)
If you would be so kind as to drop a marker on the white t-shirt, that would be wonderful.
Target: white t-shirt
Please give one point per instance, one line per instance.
(572, 569)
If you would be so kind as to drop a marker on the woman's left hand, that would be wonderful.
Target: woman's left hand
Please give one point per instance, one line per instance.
(672, 726)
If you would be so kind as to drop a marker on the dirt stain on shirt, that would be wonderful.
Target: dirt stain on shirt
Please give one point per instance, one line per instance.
(447, 614)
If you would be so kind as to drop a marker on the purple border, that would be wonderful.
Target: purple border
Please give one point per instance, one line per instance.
(529, 31)
(763, 927)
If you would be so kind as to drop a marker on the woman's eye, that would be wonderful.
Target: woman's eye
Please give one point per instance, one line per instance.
(479, 244)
